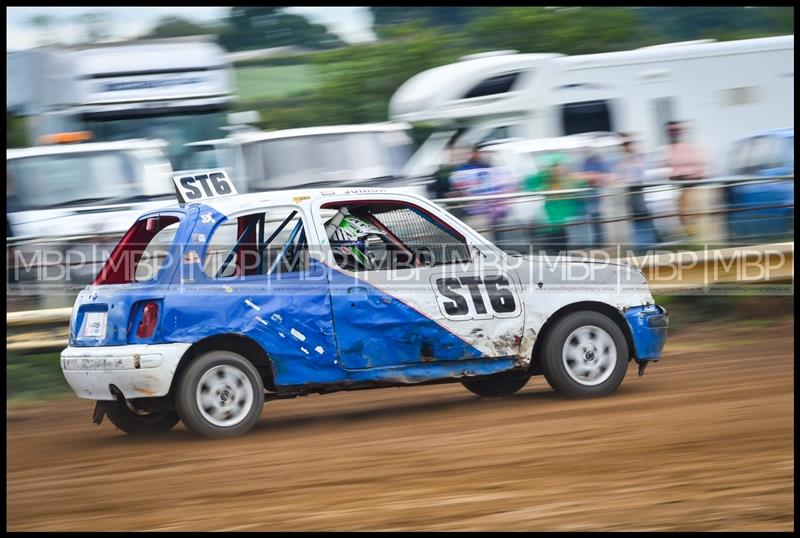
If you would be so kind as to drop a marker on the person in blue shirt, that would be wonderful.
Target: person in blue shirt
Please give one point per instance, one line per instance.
(478, 177)
(597, 172)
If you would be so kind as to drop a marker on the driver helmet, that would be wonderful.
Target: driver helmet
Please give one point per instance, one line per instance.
(348, 236)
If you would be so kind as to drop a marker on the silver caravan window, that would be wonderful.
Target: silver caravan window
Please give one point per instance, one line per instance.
(663, 110)
(498, 133)
(586, 117)
(325, 159)
(493, 85)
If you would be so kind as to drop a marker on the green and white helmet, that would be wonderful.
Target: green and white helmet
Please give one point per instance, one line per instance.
(348, 235)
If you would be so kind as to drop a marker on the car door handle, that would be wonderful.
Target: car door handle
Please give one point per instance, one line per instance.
(357, 290)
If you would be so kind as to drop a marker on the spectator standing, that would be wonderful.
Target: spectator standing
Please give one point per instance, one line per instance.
(685, 162)
(631, 169)
(441, 185)
(684, 159)
(560, 209)
(470, 178)
(597, 173)
(477, 177)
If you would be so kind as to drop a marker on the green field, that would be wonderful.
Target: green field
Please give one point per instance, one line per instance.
(34, 377)
(259, 83)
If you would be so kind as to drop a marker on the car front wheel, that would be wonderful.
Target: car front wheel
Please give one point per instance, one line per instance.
(585, 354)
(220, 394)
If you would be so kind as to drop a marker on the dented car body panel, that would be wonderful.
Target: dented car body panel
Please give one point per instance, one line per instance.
(648, 330)
(326, 328)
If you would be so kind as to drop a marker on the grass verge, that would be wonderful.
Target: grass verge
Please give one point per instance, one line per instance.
(34, 377)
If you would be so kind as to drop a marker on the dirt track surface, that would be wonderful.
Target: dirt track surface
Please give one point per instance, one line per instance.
(702, 442)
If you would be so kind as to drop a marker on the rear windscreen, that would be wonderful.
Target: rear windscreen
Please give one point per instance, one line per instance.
(141, 253)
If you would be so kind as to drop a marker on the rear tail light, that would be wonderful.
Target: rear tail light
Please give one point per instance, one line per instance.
(148, 321)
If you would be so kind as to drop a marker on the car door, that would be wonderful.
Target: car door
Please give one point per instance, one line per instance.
(430, 297)
(250, 274)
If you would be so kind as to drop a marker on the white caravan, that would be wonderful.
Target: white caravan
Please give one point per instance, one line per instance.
(176, 89)
(725, 89)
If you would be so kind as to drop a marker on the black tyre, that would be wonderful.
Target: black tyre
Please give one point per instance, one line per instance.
(133, 421)
(585, 354)
(220, 394)
(495, 386)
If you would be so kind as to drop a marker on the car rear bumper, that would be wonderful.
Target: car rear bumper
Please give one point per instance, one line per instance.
(138, 371)
(648, 330)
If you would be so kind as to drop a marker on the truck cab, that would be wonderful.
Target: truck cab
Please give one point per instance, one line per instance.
(174, 89)
(84, 188)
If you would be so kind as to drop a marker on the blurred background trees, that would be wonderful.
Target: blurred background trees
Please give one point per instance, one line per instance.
(176, 27)
(354, 83)
(323, 80)
(266, 27)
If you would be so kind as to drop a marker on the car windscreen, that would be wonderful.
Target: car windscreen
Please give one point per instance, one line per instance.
(207, 157)
(69, 179)
(284, 163)
(789, 152)
(176, 129)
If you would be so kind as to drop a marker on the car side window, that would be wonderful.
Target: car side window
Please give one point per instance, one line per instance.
(263, 243)
(756, 154)
(766, 154)
(382, 236)
(740, 157)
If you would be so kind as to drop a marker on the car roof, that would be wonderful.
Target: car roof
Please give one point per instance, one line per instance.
(228, 205)
(85, 147)
(560, 143)
(211, 142)
(256, 136)
(786, 132)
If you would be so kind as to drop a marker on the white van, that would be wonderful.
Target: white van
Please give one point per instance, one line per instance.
(337, 155)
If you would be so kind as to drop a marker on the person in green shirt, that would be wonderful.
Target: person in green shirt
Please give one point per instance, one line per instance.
(559, 210)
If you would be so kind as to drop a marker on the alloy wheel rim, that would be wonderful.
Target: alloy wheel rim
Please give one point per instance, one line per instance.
(224, 395)
(589, 355)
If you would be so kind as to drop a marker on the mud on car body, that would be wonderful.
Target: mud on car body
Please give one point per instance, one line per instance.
(206, 309)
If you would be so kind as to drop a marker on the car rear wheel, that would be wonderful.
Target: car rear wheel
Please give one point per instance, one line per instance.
(220, 394)
(495, 386)
(135, 421)
(585, 354)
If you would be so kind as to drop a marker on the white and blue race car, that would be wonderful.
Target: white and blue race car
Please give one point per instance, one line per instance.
(205, 310)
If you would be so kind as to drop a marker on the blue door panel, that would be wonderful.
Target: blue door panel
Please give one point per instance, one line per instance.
(374, 329)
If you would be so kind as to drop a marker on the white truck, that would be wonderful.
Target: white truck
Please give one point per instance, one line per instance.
(176, 89)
